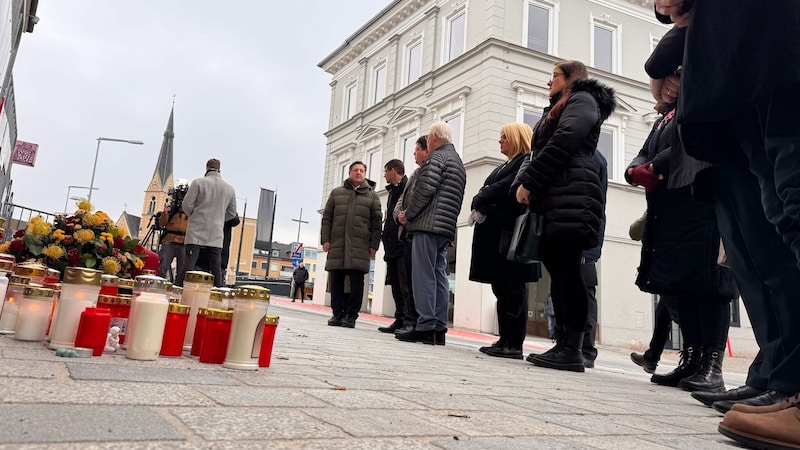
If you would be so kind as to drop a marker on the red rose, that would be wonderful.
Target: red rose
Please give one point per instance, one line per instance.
(119, 242)
(16, 246)
(74, 257)
(19, 233)
(69, 240)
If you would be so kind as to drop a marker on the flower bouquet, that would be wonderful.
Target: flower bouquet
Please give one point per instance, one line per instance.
(84, 239)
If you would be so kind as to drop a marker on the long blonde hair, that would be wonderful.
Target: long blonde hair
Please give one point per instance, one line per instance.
(518, 135)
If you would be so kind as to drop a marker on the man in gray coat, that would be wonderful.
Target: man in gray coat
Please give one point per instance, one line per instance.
(429, 210)
(209, 202)
(350, 233)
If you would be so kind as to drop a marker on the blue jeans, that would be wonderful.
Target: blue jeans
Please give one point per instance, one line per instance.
(429, 280)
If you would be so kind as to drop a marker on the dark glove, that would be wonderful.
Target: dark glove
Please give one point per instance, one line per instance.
(644, 176)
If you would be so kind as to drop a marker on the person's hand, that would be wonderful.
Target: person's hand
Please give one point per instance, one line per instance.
(523, 195)
(401, 217)
(326, 246)
(644, 175)
(372, 252)
(670, 88)
(679, 11)
(475, 217)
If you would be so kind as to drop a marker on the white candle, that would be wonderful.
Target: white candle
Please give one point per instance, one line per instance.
(34, 313)
(196, 293)
(150, 316)
(9, 318)
(247, 330)
(79, 291)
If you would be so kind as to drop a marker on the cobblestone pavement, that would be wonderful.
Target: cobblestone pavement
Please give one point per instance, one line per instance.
(339, 388)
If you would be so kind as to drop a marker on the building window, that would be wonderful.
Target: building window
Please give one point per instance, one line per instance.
(456, 35)
(606, 146)
(255, 265)
(603, 55)
(263, 266)
(455, 124)
(409, 144)
(276, 253)
(350, 94)
(273, 267)
(531, 117)
(414, 62)
(537, 36)
(344, 170)
(374, 166)
(152, 207)
(378, 83)
(308, 253)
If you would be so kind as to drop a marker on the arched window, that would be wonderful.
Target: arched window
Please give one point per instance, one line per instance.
(152, 208)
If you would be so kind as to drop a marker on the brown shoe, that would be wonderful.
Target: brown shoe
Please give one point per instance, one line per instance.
(773, 430)
(789, 402)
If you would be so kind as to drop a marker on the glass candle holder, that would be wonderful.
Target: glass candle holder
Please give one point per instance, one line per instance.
(196, 294)
(215, 300)
(34, 313)
(51, 276)
(142, 284)
(56, 287)
(93, 329)
(16, 287)
(6, 269)
(200, 325)
(174, 330)
(247, 328)
(79, 291)
(270, 327)
(125, 286)
(216, 333)
(177, 293)
(120, 308)
(109, 285)
(149, 318)
(36, 272)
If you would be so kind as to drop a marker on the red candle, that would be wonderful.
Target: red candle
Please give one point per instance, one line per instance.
(199, 327)
(270, 326)
(93, 329)
(109, 285)
(215, 336)
(175, 330)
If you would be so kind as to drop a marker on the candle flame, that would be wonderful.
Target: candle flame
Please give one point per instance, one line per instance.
(10, 300)
(33, 307)
(252, 306)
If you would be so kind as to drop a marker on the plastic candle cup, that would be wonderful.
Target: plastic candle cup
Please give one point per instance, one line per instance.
(196, 294)
(149, 318)
(79, 291)
(216, 334)
(247, 328)
(16, 286)
(174, 330)
(34, 312)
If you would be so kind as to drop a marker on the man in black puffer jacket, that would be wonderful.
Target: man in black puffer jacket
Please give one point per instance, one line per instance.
(429, 209)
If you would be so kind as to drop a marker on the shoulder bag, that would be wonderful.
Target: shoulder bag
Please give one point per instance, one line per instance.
(526, 237)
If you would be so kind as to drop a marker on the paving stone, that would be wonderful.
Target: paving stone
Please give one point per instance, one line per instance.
(30, 369)
(64, 423)
(374, 422)
(697, 442)
(541, 405)
(361, 399)
(265, 378)
(616, 443)
(260, 396)
(229, 424)
(481, 423)
(80, 371)
(509, 443)
(590, 423)
(457, 402)
(99, 393)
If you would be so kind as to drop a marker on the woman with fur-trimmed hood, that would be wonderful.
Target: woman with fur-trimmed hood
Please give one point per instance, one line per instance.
(561, 182)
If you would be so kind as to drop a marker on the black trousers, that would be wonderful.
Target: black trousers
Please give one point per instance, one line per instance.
(666, 313)
(301, 288)
(704, 319)
(764, 266)
(413, 315)
(512, 311)
(401, 291)
(214, 255)
(346, 304)
(589, 274)
(567, 287)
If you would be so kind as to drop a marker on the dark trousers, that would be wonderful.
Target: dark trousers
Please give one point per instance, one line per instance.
(570, 297)
(346, 304)
(764, 266)
(168, 252)
(704, 319)
(589, 274)
(401, 291)
(512, 311)
(301, 288)
(666, 312)
(413, 315)
(214, 255)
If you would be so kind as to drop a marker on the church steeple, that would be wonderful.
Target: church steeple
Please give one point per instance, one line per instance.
(157, 192)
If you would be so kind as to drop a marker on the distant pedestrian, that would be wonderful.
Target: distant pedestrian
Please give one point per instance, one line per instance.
(299, 278)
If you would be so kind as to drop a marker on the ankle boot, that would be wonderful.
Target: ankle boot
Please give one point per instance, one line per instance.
(566, 355)
(688, 366)
(709, 376)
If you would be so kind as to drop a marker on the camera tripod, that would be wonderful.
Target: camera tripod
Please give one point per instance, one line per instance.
(152, 239)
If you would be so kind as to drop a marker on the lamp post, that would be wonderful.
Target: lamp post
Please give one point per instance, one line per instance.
(69, 188)
(241, 236)
(97, 153)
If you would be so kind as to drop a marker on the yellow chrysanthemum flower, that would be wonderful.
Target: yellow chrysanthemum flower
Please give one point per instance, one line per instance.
(83, 236)
(58, 235)
(121, 232)
(103, 215)
(92, 220)
(108, 237)
(53, 251)
(110, 265)
(4, 247)
(138, 263)
(37, 219)
(39, 228)
(84, 205)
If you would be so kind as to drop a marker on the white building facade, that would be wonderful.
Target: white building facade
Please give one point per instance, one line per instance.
(479, 65)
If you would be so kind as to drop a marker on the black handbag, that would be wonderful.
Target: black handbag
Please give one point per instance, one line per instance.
(526, 238)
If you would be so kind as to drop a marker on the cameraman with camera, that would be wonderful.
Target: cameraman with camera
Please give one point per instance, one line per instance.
(174, 223)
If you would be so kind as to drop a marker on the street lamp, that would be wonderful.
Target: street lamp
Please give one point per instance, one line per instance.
(97, 153)
(69, 188)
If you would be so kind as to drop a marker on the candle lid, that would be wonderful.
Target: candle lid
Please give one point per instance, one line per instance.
(148, 272)
(126, 282)
(226, 292)
(6, 266)
(7, 257)
(271, 320)
(168, 286)
(109, 280)
(107, 299)
(196, 276)
(37, 291)
(150, 281)
(202, 311)
(54, 286)
(19, 280)
(216, 295)
(253, 293)
(30, 270)
(124, 300)
(177, 290)
(82, 275)
(220, 314)
(53, 275)
(179, 309)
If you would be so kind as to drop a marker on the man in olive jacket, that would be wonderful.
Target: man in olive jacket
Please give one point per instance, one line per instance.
(351, 233)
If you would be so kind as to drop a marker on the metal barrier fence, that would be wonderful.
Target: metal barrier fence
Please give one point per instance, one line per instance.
(17, 217)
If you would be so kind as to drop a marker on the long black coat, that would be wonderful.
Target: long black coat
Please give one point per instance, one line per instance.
(491, 238)
(561, 176)
(392, 247)
(681, 241)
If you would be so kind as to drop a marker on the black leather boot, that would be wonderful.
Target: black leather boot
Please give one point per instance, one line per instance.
(688, 366)
(566, 355)
(709, 376)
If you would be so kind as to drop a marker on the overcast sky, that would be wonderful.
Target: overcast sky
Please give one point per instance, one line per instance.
(247, 86)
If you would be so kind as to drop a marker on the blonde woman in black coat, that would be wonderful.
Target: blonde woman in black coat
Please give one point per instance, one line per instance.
(494, 211)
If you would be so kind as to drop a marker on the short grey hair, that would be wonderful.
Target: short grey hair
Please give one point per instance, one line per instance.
(442, 131)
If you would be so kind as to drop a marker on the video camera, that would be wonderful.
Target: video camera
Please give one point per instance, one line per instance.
(177, 194)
